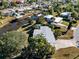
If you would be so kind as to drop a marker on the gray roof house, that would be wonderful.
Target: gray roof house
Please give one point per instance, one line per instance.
(47, 33)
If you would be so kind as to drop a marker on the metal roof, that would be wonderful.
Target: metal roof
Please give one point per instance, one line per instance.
(47, 33)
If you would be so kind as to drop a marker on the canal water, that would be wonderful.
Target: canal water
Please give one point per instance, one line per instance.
(13, 26)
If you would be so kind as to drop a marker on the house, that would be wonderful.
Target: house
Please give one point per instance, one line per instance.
(35, 17)
(58, 19)
(49, 18)
(28, 8)
(74, 2)
(65, 14)
(35, 5)
(18, 1)
(20, 9)
(6, 12)
(47, 33)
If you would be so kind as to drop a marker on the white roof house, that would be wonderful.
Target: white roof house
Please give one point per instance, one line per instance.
(28, 8)
(65, 13)
(47, 33)
(39, 15)
(6, 12)
(58, 19)
(48, 16)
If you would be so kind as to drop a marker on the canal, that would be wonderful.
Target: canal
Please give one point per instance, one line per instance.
(13, 25)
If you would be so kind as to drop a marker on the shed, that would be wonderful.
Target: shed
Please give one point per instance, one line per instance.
(49, 18)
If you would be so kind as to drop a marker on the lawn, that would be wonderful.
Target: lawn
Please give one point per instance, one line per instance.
(65, 23)
(67, 53)
(74, 23)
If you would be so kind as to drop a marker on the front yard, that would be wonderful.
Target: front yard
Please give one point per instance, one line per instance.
(65, 23)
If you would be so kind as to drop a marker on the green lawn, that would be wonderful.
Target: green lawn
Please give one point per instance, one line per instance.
(65, 23)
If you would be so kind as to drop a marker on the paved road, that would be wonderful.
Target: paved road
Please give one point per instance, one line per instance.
(76, 34)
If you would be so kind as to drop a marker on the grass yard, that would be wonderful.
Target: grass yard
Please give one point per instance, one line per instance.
(65, 23)
(74, 23)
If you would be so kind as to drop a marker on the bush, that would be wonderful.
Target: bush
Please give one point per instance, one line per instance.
(57, 33)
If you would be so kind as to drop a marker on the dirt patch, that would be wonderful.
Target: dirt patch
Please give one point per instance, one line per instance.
(67, 53)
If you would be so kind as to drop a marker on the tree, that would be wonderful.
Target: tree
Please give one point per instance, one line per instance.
(57, 33)
(74, 14)
(39, 48)
(5, 4)
(11, 44)
(13, 4)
